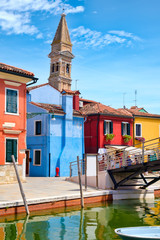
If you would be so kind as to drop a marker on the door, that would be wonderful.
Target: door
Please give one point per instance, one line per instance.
(27, 162)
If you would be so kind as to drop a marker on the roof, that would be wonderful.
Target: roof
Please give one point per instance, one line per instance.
(41, 85)
(136, 112)
(53, 108)
(99, 108)
(69, 92)
(139, 109)
(12, 69)
(62, 33)
(86, 100)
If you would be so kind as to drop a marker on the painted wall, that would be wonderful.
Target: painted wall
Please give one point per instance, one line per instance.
(19, 120)
(150, 127)
(53, 96)
(62, 139)
(94, 132)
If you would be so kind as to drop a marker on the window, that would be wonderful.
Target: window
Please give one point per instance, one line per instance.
(11, 149)
(125, 128)
(108, 127)
(67, 68)
(138, 130)
(37, 157)
(11, 101)
(53, 68)
(38, 126)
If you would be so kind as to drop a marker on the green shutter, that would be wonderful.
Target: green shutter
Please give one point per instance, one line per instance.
(14, 152)
(122, 129)
(128, 129)
(8, 150)
(105, 126)
(111, 127)
(11, 104)
(11, 149)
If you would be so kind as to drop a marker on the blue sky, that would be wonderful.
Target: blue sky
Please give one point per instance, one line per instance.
(116, 44)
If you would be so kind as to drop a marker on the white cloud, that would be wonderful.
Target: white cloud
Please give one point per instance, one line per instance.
(15, 15)
(92, 38)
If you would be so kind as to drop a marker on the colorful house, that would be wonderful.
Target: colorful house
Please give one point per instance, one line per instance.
(55, 127)
(103, 123)
(146, 125)
(13, 120)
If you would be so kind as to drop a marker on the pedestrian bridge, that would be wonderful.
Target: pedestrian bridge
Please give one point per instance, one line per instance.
(126, 165)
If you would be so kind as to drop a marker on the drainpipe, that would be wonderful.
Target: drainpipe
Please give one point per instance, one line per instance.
(97, 132)
(133, 131)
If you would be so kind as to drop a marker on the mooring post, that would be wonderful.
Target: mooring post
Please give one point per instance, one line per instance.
(70, 170)
(85, 172)
(80, 183)
(97, 169)
(20, 185)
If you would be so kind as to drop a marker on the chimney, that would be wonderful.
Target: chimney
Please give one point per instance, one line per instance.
(76, 101)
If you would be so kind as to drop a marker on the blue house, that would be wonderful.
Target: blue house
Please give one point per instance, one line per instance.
(55, 127)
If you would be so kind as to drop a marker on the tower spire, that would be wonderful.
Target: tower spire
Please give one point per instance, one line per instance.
(61, 57)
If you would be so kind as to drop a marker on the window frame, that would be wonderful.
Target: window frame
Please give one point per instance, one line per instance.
(126, 124)
(35, 155)
(141, 129)
(13, 89)
(107, 122)
(11, 138)
(35, 127)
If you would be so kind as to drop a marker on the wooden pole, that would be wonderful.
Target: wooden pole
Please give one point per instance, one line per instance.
(97, 171)
(80, 183)
(20, 185)
(70, 170)
(85, 159)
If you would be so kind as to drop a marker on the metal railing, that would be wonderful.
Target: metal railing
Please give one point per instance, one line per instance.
(127, 156)
(74, 168)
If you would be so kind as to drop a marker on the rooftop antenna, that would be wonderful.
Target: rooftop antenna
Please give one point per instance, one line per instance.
(135, 98)
(124, 100)
(76, 84)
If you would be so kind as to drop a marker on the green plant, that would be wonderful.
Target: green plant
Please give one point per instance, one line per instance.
(127, 138)
(109, 136)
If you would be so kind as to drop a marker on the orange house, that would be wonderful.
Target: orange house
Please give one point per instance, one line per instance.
(13, 83)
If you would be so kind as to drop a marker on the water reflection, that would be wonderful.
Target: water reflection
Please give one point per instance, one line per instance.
(94, 222)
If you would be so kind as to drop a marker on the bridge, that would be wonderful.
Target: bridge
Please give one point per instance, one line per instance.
(128, 166)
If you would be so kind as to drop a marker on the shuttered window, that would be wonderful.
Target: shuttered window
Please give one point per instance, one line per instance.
(37, 157)
(125, 128)
(108, 127)
(11, 101)
(11, 149)
(138, 130)
(38, 125)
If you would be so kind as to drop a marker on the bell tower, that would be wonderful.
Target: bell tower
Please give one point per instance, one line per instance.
(61, 57)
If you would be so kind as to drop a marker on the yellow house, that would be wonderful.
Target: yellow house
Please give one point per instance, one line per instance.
(145, 125)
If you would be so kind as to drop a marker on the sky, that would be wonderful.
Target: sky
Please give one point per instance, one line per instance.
(116, 44)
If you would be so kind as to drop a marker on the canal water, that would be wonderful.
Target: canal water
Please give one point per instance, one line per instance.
(96, 221)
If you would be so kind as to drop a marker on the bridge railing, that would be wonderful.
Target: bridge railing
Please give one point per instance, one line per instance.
(127, 156)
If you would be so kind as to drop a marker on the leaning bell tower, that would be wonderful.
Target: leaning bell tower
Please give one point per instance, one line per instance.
(61, 57)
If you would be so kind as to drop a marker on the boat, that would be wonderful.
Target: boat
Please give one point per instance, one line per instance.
(139, 233)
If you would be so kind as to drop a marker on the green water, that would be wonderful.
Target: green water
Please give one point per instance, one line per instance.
(94, 222)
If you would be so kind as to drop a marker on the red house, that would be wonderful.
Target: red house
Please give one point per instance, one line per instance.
(103, 123)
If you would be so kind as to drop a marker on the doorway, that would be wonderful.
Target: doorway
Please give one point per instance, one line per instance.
(27, 162)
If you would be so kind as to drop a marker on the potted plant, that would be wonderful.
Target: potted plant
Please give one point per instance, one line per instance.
(109, 136)
(140, 139)
(127, 138)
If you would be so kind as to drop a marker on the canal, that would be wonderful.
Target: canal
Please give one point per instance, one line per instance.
(96, 221)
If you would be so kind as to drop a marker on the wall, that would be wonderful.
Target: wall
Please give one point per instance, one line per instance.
(91, 126)
(8, 175)
(38, 142)
(46, 94)
(150, 127)
(6, 171)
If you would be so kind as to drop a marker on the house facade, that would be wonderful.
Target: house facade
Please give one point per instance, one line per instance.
(146, 125)
(103, 123)
(55, 132)
(13, 120)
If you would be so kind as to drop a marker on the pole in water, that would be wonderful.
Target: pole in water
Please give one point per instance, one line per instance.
(80, 183)
(20, 185)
